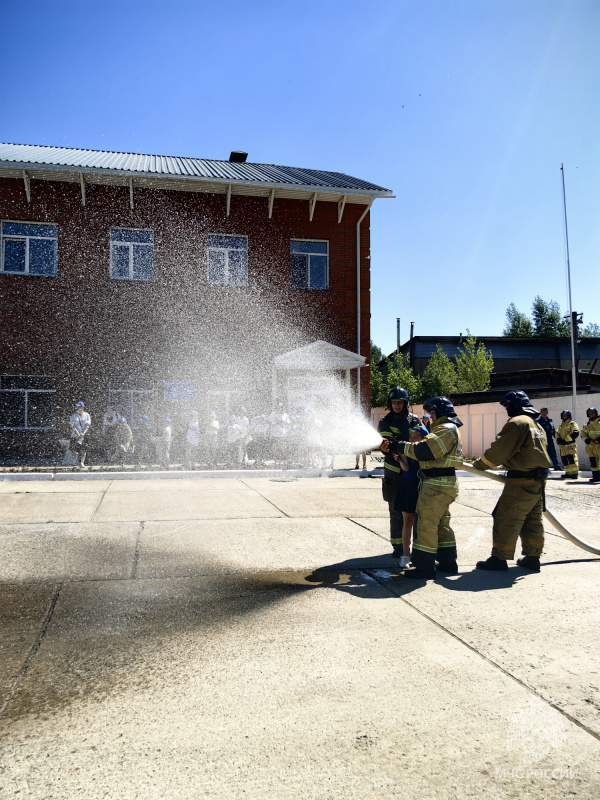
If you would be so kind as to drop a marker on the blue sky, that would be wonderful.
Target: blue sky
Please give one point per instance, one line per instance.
(465, 108)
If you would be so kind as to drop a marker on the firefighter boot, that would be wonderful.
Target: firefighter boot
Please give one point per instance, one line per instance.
(423, 566)
(418, 573)
(494, 563)
(531, 563)
(451, 567)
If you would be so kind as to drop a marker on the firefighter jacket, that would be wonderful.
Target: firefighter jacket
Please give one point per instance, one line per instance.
(521, 445)
(440, 450)
(396, 427)
(590, 434)
(566, 433)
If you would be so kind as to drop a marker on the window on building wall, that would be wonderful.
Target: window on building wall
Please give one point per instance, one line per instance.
(132, 403)
(227, 260)
(29, 248)
(309, 262)
(131, 254)
(27, 402)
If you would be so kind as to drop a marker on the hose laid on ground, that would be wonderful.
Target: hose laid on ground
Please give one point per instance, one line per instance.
(548, 514)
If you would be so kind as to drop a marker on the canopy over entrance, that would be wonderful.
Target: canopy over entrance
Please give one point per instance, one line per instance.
(304, 369)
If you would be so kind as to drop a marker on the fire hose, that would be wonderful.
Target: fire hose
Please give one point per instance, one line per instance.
(547, 514)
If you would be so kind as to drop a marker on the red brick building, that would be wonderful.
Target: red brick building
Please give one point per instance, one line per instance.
(165, 284)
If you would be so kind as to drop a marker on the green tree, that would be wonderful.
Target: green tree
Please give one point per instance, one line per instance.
(590, 330)
(377, 387)
(473, 367)
(547, 319)
(377, 377)
(440, 376)
(376, 354)
(517, 323)
(400, 374)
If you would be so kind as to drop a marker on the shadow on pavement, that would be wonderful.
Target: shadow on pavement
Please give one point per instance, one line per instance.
(374, 568)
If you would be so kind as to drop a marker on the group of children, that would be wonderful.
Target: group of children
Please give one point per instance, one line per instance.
(304, 438)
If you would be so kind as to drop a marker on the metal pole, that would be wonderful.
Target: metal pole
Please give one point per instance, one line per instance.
(412, 330)
(397, 336)
(573, 362)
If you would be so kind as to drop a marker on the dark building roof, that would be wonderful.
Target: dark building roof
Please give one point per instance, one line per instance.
(509, 353)
(504, 346)
(536, 382)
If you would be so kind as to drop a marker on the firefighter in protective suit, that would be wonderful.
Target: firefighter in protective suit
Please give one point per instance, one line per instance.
(521, 446)
(439, 455)
(566, 433)
(590, 434)
(394, 426)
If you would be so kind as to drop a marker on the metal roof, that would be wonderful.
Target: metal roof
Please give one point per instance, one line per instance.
(61, 159)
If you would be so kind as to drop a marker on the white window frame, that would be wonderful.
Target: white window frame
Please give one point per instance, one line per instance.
(26, 392)
(130, 245)
(317, 241)
(4, 238)
(133, 424)
(226, 250)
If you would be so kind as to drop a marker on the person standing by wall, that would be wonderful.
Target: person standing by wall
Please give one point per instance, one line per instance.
(123, 439)
(395, 426)
(192, 439)
(280, 423)
(235, 445)
(244, 424)
(566, 434)
(547, 424)
(212, 438)
(163, 444)
(591, 436)
(362, 455)
(144, 439)
(80, 424)
(109, 426)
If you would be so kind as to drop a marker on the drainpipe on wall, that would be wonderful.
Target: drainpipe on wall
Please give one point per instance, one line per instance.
(362, 216)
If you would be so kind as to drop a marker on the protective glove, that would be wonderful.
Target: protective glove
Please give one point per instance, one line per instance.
(479, 464)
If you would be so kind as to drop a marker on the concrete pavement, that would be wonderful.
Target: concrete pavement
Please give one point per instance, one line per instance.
(251, 638)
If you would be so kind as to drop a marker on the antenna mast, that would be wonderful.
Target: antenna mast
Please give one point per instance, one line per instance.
(573, 363)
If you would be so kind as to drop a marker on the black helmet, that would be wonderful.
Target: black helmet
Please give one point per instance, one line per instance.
(398, 393)
(443, 408)
(591, 408)
(514, 402)
(515, 399)
(566, 413)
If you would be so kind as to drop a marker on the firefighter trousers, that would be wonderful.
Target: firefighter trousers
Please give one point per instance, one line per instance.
(390, 486)
(433, 538)
(568, 456)
(518, 512)
(593, 451)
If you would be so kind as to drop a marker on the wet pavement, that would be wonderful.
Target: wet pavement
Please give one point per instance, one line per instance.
(250, 637)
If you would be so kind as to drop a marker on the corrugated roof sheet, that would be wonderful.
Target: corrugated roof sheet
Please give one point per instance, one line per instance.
(27, 155)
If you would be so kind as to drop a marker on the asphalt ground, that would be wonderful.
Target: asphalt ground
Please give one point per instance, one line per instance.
(250, 637)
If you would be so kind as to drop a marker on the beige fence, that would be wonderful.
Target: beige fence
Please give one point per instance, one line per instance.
(483, 421)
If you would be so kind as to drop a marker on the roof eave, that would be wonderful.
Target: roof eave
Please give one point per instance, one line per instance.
(148, 176)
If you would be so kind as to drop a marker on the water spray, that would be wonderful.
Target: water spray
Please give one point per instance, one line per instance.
(564, 531)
